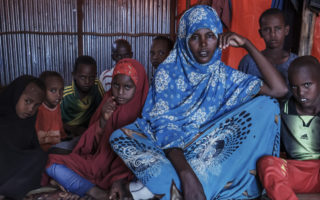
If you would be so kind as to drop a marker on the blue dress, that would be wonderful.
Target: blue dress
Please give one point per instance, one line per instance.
(210, 112)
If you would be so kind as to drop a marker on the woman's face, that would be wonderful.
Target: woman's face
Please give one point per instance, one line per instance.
(203, 44)
(29, 101)
(123, 88)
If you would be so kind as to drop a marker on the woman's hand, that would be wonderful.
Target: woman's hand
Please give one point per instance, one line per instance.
(231, 39)
(191, 186)
(107, 109)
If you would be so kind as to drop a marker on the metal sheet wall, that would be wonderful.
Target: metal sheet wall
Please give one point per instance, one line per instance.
(38, 35)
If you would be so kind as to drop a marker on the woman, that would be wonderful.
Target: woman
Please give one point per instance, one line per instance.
(93, 167)
(201, 131)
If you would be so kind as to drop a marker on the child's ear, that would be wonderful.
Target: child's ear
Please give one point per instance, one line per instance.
(286, 29)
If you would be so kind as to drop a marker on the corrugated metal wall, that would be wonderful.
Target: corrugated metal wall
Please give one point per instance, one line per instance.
(38, 35)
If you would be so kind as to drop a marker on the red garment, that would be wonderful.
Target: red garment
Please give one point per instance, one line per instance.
(49, 126)
(93, 157)
(282, 178)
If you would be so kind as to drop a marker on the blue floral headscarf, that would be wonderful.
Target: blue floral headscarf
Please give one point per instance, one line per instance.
(186, 96)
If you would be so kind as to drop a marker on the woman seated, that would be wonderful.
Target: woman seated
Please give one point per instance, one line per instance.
(92, 167)
(202, 131)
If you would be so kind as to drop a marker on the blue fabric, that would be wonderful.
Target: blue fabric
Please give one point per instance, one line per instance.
(70, 180)
(223, 157)
(185, 96)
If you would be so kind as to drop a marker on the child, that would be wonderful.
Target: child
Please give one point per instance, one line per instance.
(22, 160)
(92, 166)
(300, 135)
(81, 99)
(273, 30)
(49, 124)
(200, 118)
(160, 49)
(120, 48)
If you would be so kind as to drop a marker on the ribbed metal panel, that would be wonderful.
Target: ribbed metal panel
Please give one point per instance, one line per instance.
(115, 19)
(39, 35)
(37, 48)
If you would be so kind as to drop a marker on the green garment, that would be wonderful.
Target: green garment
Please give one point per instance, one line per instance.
(300, 134)
(76, 111)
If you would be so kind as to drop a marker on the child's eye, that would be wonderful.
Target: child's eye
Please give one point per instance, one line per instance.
(115, 85)
(210, 35)
(307, 85)
(128, 87)
(53, 90)
(293, 87)
(161, 53)
(27, 101)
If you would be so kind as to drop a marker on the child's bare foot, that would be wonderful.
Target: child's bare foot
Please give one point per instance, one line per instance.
(120, 190)
(98, 193)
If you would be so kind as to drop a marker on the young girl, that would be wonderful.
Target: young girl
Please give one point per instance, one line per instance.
(49, 124)
(201, 131)
(22, 160)
(93, 167)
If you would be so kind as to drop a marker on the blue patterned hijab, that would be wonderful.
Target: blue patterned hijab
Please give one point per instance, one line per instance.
(186, 96)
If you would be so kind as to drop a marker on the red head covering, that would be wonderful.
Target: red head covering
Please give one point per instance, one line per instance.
(126, 68)
(93, 157)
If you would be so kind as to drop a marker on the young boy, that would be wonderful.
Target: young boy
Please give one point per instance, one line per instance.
(49, 124)
(273, 30)
(81, 99)
(160, 49)
(121, 48)
(300, 135)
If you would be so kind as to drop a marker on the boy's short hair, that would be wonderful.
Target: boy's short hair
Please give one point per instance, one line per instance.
(121, 42)
(86, 60)
(44, 75)
(303, 61)
(166, 39)
(272, 11)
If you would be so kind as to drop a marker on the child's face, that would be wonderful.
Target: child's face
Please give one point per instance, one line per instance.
(54, 91)
(305, 87)
(158, 52)
(121, 53)
(203, 44)
(84, 77)
(273, 30)
(29, 101)
(123, 88)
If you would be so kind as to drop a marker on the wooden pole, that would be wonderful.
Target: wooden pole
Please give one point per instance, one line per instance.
(307, 29)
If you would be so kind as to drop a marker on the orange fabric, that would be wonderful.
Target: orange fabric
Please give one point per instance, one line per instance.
(245, 21)
(282, 178)
(316, 39)
(49, 126)
(126, 68)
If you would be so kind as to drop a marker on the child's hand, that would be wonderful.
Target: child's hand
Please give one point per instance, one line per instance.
(231, 39)
(108, 108)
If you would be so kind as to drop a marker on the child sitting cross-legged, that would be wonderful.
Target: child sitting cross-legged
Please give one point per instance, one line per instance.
(300, 134)
(93, 168)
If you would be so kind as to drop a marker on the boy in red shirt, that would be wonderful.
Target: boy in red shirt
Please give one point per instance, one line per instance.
(49, 124)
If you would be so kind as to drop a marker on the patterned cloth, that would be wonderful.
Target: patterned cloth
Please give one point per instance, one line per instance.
(186, 96)
(106, 78)
(202, 109)
(76, 111)
(223, 156)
